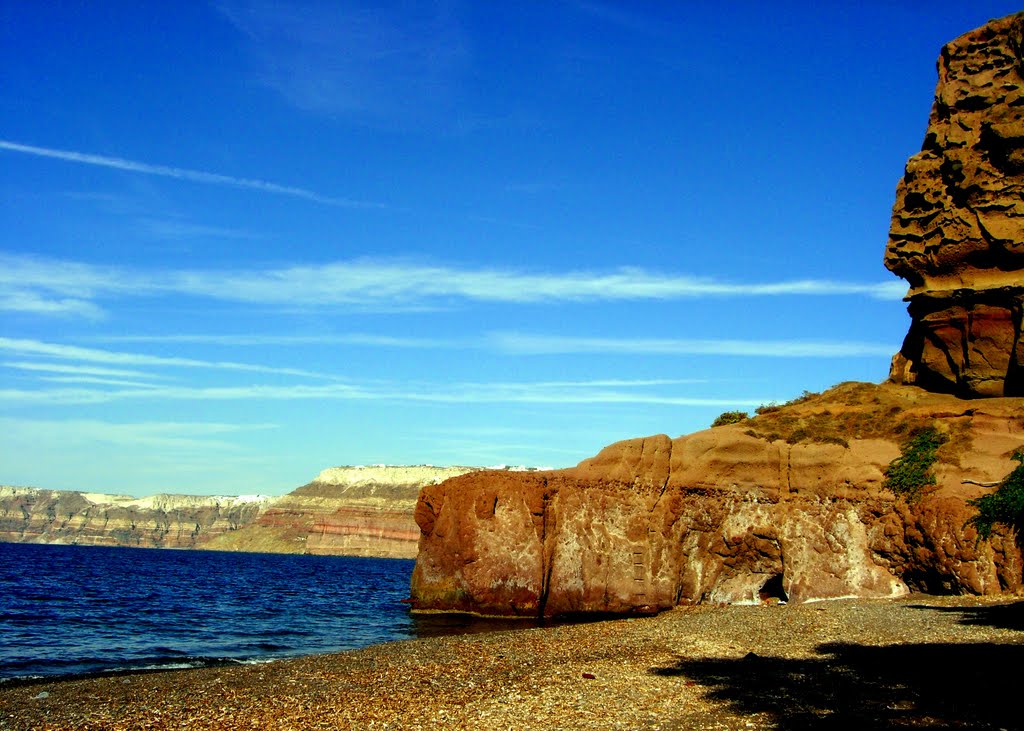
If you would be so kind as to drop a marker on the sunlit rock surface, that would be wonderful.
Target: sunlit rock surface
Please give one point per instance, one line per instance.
(789, 505)
(957, 232)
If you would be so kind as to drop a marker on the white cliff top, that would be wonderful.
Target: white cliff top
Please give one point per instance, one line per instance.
(162, 501)
(390, 474)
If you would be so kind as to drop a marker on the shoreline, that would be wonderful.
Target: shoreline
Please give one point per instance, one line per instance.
(918, 661)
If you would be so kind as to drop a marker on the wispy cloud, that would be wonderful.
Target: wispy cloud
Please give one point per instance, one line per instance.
(168, 228)
(76, 370)
(14, 298)
(36, 348)
(530, 344)
(621, 18)
(261, 340)
(402, 282)
(97, 380)
(391, 284)
(193, 176)
(515, 343)
(202, 436)
(623, 393)
(373, 64)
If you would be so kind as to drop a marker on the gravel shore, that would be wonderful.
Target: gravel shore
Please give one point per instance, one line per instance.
(921, 662)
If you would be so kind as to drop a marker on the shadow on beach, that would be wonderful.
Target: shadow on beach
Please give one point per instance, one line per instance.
(856, 686)
(440, 624)
(1000, 616)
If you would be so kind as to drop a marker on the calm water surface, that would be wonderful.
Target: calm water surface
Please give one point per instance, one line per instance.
(75, 609)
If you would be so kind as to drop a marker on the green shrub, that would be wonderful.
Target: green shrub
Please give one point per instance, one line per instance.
(798, 435)
(1005, 505)
(804, 396)
(831, 439)
(767, 408)
(910, 473)
(730, 417)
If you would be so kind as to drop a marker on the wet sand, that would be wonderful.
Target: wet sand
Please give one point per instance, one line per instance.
(921, 662)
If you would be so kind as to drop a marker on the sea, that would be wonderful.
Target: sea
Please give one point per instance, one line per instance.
(86, 610)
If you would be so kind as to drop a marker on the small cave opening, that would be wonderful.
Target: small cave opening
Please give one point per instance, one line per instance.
(772, 590)
(931, 581)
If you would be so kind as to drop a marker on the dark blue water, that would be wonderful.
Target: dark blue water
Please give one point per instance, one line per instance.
(74, 610)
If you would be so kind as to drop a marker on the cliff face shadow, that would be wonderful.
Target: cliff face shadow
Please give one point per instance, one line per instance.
(1001, 616)
(950, 686)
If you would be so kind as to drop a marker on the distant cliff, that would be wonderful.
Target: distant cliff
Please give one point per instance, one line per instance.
(350, 511)
(30, 515)
(356, 511)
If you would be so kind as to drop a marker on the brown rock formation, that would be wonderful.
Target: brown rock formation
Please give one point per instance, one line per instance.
(790, 503)
(958, 224)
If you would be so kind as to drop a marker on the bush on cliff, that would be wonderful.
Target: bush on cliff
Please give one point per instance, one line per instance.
(1004, 506)
(910, 473)
(730, 417)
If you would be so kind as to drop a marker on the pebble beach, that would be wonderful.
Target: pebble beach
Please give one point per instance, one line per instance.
(918, 662)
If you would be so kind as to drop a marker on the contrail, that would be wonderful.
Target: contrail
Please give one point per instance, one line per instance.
(195, 176)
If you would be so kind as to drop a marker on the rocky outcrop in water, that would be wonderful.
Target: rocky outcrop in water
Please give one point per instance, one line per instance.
(957, 232)
(788, 505)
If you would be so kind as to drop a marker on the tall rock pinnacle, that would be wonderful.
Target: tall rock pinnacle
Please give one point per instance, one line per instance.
(957, 232)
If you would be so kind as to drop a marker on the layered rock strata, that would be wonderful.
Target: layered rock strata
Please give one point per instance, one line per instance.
(350, 511)
(29, 515)
(789, 505)
(957, 232)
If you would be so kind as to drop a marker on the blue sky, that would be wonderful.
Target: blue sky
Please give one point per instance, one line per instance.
(244, 241)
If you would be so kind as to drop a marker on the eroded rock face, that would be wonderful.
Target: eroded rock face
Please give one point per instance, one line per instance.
(957, 232)
(730, 514)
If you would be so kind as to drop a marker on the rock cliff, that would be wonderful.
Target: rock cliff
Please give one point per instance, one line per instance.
(29, 515)
(790, 504)
(957, 232)
(351, 511)
(794, 504)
